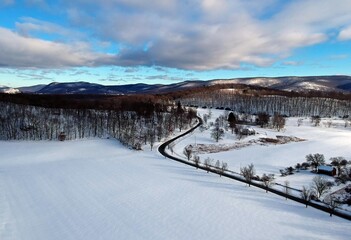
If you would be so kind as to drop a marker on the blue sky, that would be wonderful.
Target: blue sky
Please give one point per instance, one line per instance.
(165, 41)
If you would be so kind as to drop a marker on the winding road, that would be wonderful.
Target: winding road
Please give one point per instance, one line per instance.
(162, 150)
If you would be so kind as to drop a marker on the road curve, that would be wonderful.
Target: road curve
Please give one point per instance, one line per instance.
(162, 147)
(162, 150)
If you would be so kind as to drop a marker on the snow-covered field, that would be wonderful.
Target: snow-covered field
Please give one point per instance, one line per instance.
(331, 141)
(97, 189)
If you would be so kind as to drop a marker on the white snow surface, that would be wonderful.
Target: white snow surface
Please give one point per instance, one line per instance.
(332, 142)
(98, 189)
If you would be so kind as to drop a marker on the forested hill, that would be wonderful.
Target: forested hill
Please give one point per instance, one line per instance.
(300, 84)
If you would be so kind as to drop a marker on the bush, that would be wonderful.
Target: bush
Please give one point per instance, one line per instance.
(305, 165)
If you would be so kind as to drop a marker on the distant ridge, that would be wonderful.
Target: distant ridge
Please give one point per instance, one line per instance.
(289, 83)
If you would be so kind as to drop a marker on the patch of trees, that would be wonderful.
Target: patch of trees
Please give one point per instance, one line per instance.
(142, 104)
(250, 90)
(315, 160)
(148, 123)
(287, 104)
(318, 188)
(342, 165)
(219, 167)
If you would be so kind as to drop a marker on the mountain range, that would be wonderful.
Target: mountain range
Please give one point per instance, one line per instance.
(316, 83)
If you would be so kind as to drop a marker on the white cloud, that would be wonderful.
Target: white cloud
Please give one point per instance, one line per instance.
(25, 52)
(195, 35)
(345, 34)
(218, 34)
(30, 26)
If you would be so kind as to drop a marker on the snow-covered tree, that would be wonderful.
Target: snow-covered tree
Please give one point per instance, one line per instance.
(188, 152)
(306, 194)
(315, 160)
(278, 121)
(217, 132)
(248, 172)
(320, 186)
(267, 181)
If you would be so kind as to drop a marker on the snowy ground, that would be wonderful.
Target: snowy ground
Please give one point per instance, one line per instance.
(332, 142)
(97, 189)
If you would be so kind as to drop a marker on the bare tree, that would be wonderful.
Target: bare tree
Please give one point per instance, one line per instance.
(152, 138)
(232, 120)
(345, 174)
(224, 167)
(338, 162)
(217, 132)
(248, 173)
(267, 181)
(316, 120)
(262, 119)
(208, 162)
(188, 152)
(299, 122)
(218, 166)
(286, 188)
(278, 121)
(205, 118)
(209, 113)
(319, 185)
(333, 204)
(316, 159)
(197, 160)
(306, 194)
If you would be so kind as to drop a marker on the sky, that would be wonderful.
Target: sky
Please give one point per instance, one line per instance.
(115, 42)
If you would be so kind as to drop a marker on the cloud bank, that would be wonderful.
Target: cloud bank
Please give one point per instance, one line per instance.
(191, 35)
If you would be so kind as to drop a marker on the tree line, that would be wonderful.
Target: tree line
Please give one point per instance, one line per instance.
(255, 100)
(133, 127)
(289, 106)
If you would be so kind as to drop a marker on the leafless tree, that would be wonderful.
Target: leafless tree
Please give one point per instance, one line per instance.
(286, 188)
(316, 120)
(217, 165)
(267, 181)
(152, 138)
(262, 119)
(338, 162)
(329, 123)
(248, 173)
(224, 167)
(306, 194)
(316, 159)
(232, 120)
(217, 132)
(278, 121)
(197, 160)
(333, 204)
(205, 118)
(319, 185)
(209, 113)
(207, 163)
(299, 122)
(345, 174)
(188, 152)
